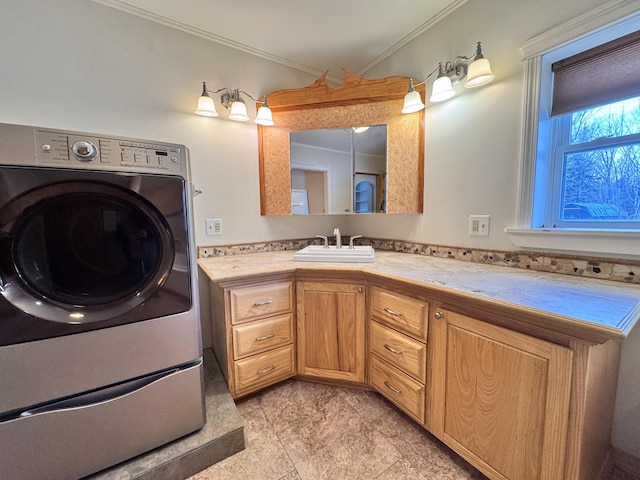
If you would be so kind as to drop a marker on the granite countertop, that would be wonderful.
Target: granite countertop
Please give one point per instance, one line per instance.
(612, 306)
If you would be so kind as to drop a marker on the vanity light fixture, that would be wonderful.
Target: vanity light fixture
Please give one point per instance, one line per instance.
(475, 69)
(231, 100)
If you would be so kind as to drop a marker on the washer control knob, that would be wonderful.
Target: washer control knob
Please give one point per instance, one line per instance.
(84, 151)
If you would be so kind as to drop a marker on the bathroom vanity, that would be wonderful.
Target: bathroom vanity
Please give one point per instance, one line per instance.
(514, 370)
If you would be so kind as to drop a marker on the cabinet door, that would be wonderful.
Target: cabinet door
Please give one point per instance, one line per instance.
(500, 398)
(331, 330)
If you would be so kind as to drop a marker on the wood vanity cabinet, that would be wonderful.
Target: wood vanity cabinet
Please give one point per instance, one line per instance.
(330, 326)
(253, 333)
(398, 350)
(500, 398)
(520, 394)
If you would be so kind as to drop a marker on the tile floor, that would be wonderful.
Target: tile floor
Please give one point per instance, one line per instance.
(305, 431)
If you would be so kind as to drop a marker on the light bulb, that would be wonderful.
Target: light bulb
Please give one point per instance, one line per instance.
(479, 73)
(412, 102)
(206, 107)
(238, 111)
(264, 116)
(442, 89)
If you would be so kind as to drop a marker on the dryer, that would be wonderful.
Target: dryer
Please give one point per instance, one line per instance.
(100, 348)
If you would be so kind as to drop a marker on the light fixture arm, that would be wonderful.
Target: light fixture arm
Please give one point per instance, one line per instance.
(206, 92)
(460, 65)
(229, 96)
(475, 56)
(412, 84)
(250, 96)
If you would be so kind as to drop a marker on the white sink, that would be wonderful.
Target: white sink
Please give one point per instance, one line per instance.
(318, 253)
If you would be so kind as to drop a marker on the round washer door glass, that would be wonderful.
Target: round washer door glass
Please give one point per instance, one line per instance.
(85, 252)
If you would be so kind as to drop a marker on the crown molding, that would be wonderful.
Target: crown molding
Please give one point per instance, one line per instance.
(606, 15)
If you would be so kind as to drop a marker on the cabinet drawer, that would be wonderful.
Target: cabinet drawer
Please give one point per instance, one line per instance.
(401, 389)
(405, 313)
(407, 354)
(263, 369)
(251, 303)
(255, 337)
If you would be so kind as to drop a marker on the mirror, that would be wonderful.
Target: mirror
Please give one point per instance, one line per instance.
(338, 170)
(397, 187)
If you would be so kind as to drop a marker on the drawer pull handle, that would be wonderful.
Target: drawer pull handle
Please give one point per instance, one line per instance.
(392, 388)
(266, 302)
(391, 312)
(266, 370)
(266, 337)
(392, 350)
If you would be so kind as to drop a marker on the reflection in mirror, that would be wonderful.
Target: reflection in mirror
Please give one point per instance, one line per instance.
(339, 170)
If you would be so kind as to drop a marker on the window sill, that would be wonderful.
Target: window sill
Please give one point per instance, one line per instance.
(611, 244)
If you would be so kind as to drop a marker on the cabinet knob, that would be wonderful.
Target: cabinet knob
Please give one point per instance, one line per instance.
(359, 289)
(439, 315)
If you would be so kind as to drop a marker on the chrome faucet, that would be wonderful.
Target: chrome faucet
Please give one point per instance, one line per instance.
(326, 241)
(336, 232)
(351, 239)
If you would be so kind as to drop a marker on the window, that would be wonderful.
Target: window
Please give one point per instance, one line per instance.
(594, 170)
(580, 182)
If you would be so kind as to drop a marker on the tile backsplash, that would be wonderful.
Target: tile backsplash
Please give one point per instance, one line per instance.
(627, 271)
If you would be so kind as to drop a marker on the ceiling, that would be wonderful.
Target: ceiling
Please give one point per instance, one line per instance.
(310, 35)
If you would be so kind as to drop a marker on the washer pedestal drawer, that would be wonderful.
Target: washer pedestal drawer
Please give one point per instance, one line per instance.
(76, 437)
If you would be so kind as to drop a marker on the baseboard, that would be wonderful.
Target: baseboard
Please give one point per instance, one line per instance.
(626, 462)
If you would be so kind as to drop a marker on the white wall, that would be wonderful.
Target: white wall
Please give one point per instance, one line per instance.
(78, 65)
(472, 149)
(472, 142)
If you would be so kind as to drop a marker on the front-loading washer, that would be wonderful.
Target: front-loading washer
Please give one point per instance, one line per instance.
(100, 348)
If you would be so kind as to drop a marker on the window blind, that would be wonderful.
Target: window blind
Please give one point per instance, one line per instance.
(597, 76)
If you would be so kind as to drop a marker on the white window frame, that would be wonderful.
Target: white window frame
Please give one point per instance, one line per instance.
(551, 212)
(612, 20)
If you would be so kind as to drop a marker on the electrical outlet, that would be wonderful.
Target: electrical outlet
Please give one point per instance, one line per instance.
(214, 226)
(479, 225)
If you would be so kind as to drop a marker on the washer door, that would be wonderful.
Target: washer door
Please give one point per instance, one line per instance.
(82, 252)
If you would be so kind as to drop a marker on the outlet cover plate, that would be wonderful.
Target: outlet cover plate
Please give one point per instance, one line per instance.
(479, 225)
(213, 226)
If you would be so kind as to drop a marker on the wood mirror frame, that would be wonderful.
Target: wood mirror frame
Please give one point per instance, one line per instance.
(358, 101)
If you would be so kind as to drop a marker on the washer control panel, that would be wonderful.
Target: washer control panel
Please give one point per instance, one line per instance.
(73, 150)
